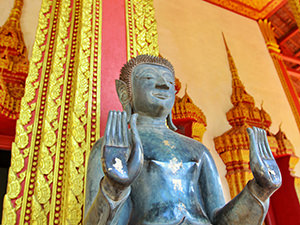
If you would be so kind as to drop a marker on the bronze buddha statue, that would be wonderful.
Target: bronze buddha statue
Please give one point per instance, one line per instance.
(149, 174)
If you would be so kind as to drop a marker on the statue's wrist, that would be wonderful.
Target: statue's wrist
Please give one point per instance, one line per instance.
(260, 192)
(113, 190)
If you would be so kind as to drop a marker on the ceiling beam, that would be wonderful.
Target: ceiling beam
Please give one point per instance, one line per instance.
(289, 35)
(276, 9)
(291, 59)
(286, 51)
(294, 73)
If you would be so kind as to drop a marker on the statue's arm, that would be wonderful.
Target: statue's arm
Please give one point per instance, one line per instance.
(246, 208)
(114, 163)
(104, 204)
(251, 205)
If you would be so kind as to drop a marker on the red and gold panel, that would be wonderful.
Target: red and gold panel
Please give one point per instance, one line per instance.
(58, 119)
(255, 9)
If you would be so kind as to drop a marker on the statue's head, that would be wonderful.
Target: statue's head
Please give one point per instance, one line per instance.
(147, 86)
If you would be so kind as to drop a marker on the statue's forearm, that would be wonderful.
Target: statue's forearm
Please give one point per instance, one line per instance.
(106, 204)
(246, 208)
(259, 192)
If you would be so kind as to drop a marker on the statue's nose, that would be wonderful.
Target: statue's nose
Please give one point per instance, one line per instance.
(162, 84)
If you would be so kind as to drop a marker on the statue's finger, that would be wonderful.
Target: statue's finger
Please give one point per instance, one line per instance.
(125, 129)
(267, 146)
(108, 128)
(261, 143)
(113, 128)
(254, 151)
(250, 131)
(252, 140)
(136, 159)
(135, 134)
(119, 139)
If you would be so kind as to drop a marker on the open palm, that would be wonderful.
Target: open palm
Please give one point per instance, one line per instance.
(122, 153)
(262, 163)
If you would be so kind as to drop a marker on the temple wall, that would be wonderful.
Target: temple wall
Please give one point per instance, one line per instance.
(29, 19)
(190, 36)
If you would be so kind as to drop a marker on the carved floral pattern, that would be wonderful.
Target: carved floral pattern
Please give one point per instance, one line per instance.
(142, 37)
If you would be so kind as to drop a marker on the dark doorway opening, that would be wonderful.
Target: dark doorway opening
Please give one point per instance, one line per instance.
(5, 157)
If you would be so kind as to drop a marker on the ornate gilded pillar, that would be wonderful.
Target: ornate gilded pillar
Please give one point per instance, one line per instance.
(13, 64)
(58, 119)
(187, 117)
(273, 47)
(233, 145)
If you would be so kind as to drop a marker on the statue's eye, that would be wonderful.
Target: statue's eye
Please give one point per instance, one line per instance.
(147, 77)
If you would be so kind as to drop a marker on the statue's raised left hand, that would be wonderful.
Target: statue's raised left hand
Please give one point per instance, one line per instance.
(262, 163)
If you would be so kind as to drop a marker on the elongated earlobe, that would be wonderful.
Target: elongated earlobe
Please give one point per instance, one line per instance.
(170, 122)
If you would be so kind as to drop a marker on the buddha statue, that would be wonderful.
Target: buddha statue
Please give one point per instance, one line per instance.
(142, 172)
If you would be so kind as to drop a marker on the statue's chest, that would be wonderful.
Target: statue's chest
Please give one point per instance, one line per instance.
(165, 148)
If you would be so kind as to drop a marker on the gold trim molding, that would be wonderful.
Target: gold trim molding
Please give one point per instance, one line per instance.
(141, 28)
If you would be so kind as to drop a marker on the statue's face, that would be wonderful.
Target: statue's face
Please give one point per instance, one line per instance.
(153, 90)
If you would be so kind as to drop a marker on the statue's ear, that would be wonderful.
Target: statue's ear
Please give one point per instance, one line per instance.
(124, 97)
(123, 94)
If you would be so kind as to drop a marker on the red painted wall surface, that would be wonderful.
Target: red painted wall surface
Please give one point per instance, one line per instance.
(285, 207)
(113, 56)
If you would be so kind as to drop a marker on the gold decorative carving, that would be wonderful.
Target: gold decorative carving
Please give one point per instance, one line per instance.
(9, 214)
(268, 32)
(256, 9)
(295, 7)
(190, 120)
(84, 118)
(21, 149)
(38, 214)
(13, 63)
(51, 105)
(233, 145)
(285, 147)
(142, 37)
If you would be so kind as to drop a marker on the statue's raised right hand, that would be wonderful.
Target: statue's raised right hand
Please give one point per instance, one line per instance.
(122, 151)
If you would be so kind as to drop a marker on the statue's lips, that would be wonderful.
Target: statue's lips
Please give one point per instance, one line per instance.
(161, 95)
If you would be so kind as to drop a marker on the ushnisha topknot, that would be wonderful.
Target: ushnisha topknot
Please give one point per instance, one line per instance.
(127, 69)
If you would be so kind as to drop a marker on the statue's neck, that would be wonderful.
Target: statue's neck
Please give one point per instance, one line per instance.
(146, 121)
